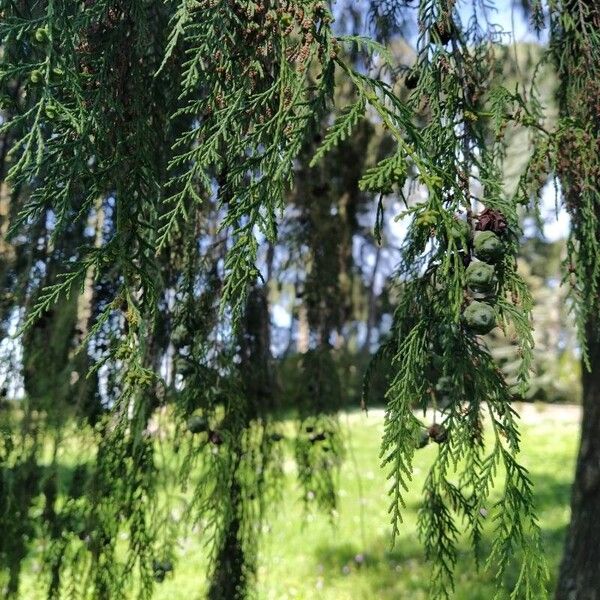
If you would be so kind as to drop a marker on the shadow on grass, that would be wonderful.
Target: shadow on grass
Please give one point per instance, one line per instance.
(550, 492)
(393, 573)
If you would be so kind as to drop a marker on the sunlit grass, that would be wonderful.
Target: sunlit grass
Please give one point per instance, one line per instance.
(309, 558)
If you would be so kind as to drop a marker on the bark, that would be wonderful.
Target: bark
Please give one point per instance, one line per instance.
(577, 54)
(229, 578)
(85, 300)
(580, 569)
(303, 338)
(7, 251)
(371, 304)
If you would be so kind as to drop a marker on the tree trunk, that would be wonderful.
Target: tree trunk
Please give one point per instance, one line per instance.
(303, 337)
(580, 570)
(371, 303)
(228, 581)
(575, 41)
(85, 300)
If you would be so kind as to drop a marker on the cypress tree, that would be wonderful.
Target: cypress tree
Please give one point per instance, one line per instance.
(576, 51)
(182, 124)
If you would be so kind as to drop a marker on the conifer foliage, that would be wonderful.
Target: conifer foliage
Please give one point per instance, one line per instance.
(457, 280)
(163, 137)
(575, 49)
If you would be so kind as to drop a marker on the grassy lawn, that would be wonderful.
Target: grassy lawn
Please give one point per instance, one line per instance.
(311, 558)
(352, 559)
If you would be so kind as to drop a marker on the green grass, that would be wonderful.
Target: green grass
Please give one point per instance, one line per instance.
(308, 557)
(352, 559)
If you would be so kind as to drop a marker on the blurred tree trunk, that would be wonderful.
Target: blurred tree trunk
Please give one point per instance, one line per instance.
(578, 52)
(303, 339)
(235, 564)
(580, 573)
(85, 299)
(371, 303)
(229, 578)
(6, 249)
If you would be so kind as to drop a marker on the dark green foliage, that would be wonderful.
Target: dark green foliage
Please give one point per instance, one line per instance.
(125, 117)
(575, 49)
(443, 30)
(437, 324)
(411, 81)
(178, 133)
(197, 424)
(423, 439)
(318, 447)
(20, 488)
